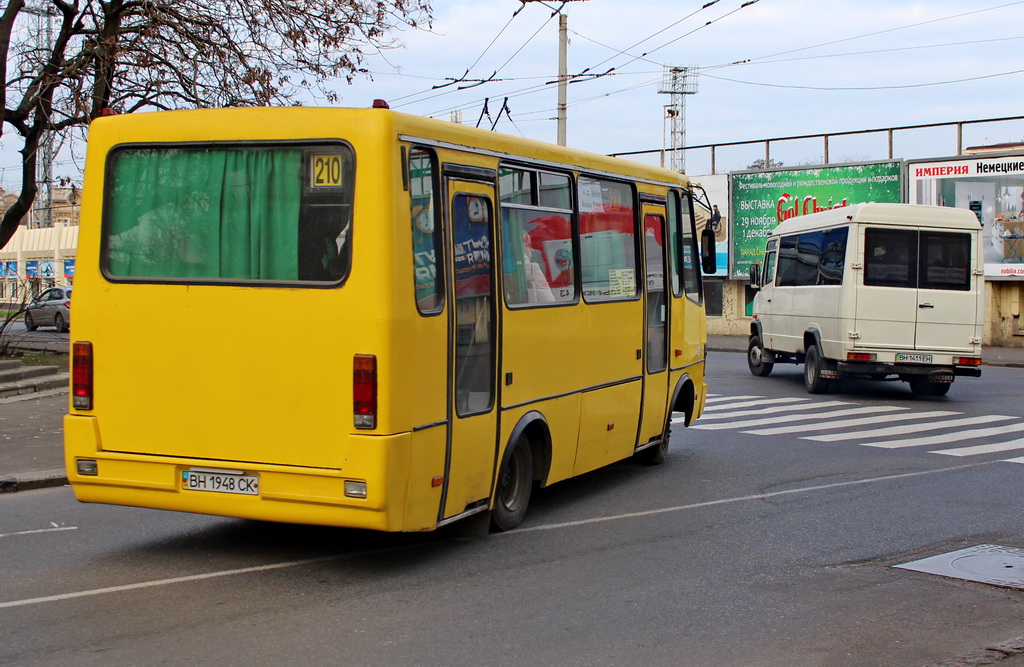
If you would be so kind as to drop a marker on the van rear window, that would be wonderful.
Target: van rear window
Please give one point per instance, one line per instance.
(917, 259)
(264, 213)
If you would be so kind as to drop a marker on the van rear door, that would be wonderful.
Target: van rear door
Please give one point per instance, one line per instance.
(887, 301)
(948, 293)
(919, 290)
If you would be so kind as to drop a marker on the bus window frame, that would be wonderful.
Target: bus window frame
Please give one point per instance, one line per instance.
(440, 264)
(306, 144)
(637, 236)
(572, 213)
(687, 194)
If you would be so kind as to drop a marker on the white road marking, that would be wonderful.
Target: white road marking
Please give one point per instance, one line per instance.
(903, 429)
(842, 423)
(40, 530)
(769, 402)
(809, 405)
(946, 437)
(786, 419)
(738, 499)
(990, 448)
(518, 531)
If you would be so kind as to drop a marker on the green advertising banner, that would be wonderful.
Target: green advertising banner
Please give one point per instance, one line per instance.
(762, 200)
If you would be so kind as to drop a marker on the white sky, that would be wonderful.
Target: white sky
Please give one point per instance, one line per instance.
(809, 66)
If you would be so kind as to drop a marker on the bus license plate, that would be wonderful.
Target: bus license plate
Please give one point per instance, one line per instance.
(914, 358)
(220, 482)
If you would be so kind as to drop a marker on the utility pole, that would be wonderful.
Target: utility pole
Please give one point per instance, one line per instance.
(563, 74)
(677, 82)
(563, 66)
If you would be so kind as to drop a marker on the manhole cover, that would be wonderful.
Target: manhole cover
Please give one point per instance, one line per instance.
(985, 563)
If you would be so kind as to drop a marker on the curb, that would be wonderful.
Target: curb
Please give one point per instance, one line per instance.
(992, 654)
(39, 479)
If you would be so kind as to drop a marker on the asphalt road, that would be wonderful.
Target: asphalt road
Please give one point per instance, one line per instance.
(743, 549)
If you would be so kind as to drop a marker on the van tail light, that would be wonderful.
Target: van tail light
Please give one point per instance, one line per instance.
(860, 356)
(81, 375)
(968, 361)
(364, 390)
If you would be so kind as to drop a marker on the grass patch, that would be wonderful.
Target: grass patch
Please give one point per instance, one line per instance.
(39, 358)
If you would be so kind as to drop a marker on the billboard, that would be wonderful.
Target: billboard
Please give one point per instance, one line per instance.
(717, 189)
(992, 186)
(761, 200)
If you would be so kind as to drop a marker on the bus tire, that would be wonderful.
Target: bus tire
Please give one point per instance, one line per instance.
(812, 372)
(755, 361)
(655, 455)
(515, 484)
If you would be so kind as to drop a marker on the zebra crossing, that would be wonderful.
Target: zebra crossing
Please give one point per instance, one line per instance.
(878, 426)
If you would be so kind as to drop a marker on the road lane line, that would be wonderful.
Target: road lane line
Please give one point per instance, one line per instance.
(740, 499)
(41, 530)
(164, 582)
(518, 531)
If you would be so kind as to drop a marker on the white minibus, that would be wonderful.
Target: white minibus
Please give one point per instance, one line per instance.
(883, 291)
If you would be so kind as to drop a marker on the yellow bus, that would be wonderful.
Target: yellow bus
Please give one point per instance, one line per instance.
(363, 318)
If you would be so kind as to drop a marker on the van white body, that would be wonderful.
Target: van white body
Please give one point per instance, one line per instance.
(875, 290)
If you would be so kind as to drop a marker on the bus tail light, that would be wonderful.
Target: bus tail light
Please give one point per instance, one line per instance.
(968, 361)
(81, 376)
(364, 390)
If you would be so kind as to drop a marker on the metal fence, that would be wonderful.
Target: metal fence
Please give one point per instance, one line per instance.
(935, 140)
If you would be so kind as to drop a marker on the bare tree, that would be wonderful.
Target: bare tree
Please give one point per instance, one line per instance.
(130, 55)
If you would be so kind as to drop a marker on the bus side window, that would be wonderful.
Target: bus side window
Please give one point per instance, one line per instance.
(607, 239)
(423, 191)
(536, 228)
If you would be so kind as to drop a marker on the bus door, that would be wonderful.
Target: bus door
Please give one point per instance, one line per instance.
(656, 314)
(472, 348)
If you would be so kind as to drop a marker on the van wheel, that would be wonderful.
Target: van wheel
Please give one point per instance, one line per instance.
(514, 487)
(923, 387)
(755, 362)
(813, 365)
(30, 323)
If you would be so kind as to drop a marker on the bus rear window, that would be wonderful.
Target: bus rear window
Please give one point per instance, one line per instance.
(266, 213)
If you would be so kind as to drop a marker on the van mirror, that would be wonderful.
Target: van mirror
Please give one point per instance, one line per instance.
(708, 263)
(755, 275)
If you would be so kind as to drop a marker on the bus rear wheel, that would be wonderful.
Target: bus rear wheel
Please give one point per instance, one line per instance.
(515, 485)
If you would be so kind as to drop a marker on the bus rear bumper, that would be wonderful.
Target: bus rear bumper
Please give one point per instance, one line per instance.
(287, 494)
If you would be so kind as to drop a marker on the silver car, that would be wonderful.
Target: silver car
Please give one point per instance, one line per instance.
(51, 308)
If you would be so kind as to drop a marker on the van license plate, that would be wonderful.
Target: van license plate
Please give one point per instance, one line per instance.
(914, 358)
(218, 482)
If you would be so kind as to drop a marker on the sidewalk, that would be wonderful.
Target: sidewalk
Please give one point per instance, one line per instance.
(31, 442)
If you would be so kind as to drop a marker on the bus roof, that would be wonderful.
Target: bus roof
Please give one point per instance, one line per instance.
(912, 215)
(268, 124)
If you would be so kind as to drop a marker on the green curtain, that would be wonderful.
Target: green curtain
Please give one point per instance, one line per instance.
(213, 214)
